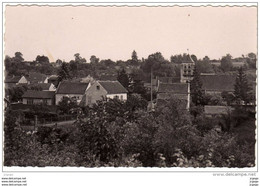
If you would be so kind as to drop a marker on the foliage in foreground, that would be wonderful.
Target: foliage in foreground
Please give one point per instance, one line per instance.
(117, 134)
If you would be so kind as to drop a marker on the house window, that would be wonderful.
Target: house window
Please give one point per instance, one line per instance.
(45, 102)
(121, 97)
(98, 87)
(29, 101)
(116, 97)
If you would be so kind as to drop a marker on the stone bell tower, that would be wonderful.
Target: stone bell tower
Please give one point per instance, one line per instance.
(187, 68)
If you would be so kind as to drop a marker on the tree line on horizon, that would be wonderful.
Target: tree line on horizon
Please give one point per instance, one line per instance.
(162, 67)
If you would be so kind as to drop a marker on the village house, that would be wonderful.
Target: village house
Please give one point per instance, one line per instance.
(105, 89)
(167, 91)
(75, 90)
(235, 63)
(15, 80)
(32, 97)
(53, 79)
(216, 84)
(35, 78)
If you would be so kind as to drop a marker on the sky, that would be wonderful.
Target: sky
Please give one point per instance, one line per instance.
(114, 32)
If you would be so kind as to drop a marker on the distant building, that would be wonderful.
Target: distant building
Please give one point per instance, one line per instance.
(74, 90)
(216, 84)
(53, 79)
(216, 110)
(238, 64)
(168, 91)
(32, 97)
(35, 78)
(158, 80)
(105, 89)
(15, 80)
(187, 69)
(234, 63)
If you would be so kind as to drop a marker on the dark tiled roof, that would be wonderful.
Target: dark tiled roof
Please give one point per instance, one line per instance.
(29, 108)
(218, 82)
(113, 87)
(181, 88)
(163, 102)
(169, 79)
(66, 87)
(107, 77)
(14, 79)
(42, 86)
(166, 96)
(36, 77)
(39, 94)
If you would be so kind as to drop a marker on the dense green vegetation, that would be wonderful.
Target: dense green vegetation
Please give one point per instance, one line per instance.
(115, 133)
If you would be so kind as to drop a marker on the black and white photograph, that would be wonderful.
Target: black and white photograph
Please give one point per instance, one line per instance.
(135, 87)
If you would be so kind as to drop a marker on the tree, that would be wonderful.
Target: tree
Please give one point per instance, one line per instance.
(134, 60)
(42, 60)
(204, 66)
(241, 87)
(58, 62)
(16, 93)
(177, 59)
(197, 95)
(194, 58)
(79, 59)
(18, 57)
(251, 60)
(137, 84)
(226, 63)
(94, 60)
(122, 77)
(158, 64)
(64, 72)
(66, 104)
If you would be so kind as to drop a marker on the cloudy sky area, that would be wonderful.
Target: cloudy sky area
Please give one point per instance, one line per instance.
(114, 32)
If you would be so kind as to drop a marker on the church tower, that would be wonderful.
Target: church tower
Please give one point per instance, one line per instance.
(187, 68)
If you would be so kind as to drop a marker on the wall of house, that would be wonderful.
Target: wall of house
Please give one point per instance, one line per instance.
(46, 80)
(185, 75)
(52, 88)
(38, 101)
(124, 96)
(189, 101)
(93, 94)
(58, 97)
(23, 80)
